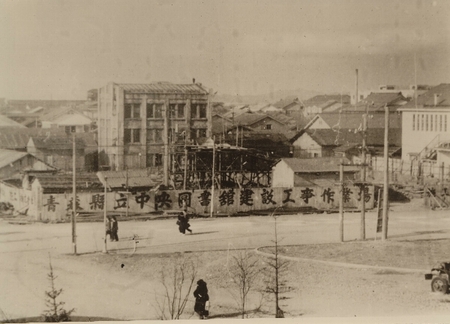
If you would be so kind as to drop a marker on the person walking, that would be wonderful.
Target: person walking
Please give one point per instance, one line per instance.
(201, 299)
(114, 229)
(183, 223)
(108, 227)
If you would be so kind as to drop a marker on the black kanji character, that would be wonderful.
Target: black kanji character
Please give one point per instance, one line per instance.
(328, 195)
(226, 197)
(307, 194)
(267, 197)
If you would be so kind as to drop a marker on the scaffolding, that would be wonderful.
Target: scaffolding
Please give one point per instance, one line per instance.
(195, 167)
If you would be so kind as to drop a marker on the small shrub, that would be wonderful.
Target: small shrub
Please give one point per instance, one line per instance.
(55, 311)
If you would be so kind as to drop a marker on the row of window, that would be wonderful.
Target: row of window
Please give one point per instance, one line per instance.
(155, 110)
(133, 136)
(429, 122)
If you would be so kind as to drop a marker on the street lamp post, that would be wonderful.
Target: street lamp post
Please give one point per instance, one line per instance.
(105, 248)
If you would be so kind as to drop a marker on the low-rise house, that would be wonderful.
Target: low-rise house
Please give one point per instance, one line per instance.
(324, 142)
(58, 151)
(376, 103)
(295, 172)
(8, 122)
(325, 103)
(14, 163)
(12, 138)
(70, 119)
(352, 121)
(131, 188)
(260, 121)
(289, 105)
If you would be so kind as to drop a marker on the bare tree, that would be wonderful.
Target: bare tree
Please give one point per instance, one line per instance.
(274, 283)
(177, 282)
(55, 311)
(244, 272)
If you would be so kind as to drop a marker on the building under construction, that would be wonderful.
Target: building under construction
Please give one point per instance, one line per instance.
(193, 167)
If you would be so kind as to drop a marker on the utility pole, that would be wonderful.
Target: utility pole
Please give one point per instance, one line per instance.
(105, 248)
(341, 202)
(74, 202)
(363, 178)
(386, 174)
(213, 176)
(126, 188)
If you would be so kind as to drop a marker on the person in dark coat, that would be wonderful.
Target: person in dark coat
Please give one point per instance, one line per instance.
(114, 229)
(201, 297)
(183, 223)
(108, 227)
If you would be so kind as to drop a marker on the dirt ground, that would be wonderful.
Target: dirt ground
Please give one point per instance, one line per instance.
(342, 286)
(355, 279)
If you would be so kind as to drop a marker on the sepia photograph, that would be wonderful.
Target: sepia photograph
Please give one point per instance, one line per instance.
(225, 160)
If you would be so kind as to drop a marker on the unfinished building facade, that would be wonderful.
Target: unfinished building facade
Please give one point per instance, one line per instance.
(138, 123)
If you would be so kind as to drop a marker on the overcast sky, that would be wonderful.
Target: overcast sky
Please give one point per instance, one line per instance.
(60, 49)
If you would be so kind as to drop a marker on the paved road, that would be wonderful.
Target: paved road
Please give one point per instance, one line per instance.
(160, 236)
(24, 249)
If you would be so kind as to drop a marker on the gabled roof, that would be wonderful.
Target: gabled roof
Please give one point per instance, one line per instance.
(136, 178)
(428, 98)
(376, 101)
(9, 156)
(248, 119)
(163, 87)
(55, 113)
(28, 106)
(338, 137)
(283, 103)
(64, 182)
(382, 98)
(7, 122)
(17, 138)
(329, 164)
(58, 143)
(354, 120)
(323, 99)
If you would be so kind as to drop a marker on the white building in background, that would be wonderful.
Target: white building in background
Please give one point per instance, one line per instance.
(426, 126)
(406, 91)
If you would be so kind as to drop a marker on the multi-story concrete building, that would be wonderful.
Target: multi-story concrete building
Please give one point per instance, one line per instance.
(426, 126)
(138, 124)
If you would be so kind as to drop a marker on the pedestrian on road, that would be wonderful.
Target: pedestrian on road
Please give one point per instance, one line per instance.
(108, 227)
(201, 299)
(114, 229)
(183, 222)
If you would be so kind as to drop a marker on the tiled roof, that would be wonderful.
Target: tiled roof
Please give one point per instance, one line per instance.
(286, 102)
(57, 143)
(7, 122)
(322, 99)
(354, 120)
(136, 178)
(26, 106)
(317, 165)
(64, 182)
(164, 87)
(427, 99)
(382, 98)
(248, 119)
(17, 138)
(375, 137)
(376, 101)
(9, 156)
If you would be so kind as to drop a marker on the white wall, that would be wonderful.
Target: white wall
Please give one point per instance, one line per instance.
(282, 175)
(414, 140)
(307, 144)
